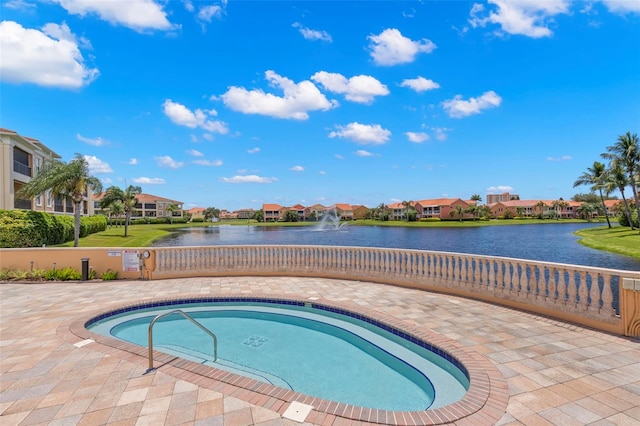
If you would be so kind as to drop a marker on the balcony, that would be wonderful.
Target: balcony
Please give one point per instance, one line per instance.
(21, 168)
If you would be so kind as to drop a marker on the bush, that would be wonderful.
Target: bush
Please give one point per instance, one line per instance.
(197, 219)
(28, 228)
(109, 275)
(69, 274)
(622, 219)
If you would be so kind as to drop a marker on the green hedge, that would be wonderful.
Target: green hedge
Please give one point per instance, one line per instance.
(28, 228)
(156, 220)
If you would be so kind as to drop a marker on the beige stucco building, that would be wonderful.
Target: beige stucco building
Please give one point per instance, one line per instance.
(21, 158)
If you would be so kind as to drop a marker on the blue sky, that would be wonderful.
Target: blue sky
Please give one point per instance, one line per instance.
(235, 104)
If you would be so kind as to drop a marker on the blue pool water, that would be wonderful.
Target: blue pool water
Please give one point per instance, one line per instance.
(312, 351)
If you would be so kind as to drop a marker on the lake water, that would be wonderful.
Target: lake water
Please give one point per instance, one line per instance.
(553, 242)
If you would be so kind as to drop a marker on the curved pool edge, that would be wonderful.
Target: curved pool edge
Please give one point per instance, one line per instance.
(484, 403)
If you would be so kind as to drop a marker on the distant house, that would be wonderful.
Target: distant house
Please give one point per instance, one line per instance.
(148, 205)
(360, 212)
(272, 212)
(196, 212)
(316, 211)
(299, 210)
(396, 211)
(441, 208)
(344, 211)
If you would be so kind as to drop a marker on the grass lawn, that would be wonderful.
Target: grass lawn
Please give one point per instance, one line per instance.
(619, 239)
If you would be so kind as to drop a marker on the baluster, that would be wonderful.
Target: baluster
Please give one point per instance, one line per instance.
(562, 285)
(572, 290)
(514, 278)
(607, 295)
(553, 287)
(499, 275)
(583, 291)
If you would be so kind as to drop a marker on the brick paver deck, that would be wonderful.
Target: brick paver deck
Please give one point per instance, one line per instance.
(556, 373)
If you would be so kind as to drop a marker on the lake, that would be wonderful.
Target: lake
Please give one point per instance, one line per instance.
(553, 242)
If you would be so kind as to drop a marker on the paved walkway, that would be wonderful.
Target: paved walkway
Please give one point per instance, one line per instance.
(557, 373)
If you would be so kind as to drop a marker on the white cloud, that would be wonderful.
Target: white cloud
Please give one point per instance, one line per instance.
(390, 47)
(194, 153)
(339, 157)
(297, 169)
(562, 158)
(361, 88)
(417, 137)
(96, 165)
(183, 116)
(207, 13)
(50, 57)
(458, 108)
(138, 15)
(622, 6)
(214, 163)
(420, 84)
(148, 180)
(362, 133)
(91, 141)
(253, 150)
(363, 153)
(248, 179)
(133, 162)
(310, 34)
(440, 132)
(298, 99)
(499, 189)
(166, 161)
(18, 5)
(106, 181)
(530, 18)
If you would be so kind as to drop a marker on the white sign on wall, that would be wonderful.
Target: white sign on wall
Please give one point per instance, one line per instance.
(131, 260)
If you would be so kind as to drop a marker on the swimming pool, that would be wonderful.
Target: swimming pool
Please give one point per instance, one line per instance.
(304, 346)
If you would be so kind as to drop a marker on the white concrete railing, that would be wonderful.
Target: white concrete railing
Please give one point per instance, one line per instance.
(582, 294)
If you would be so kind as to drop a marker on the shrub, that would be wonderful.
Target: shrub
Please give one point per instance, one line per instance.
(68, 274)
(109, 275)
(622, 219)
(197, 219)
(5, 274)
(51, 275)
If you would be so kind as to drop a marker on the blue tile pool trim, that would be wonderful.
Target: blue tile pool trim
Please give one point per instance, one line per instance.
(396, 331)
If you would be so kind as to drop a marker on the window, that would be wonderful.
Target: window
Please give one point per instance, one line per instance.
(38, 164)
(49, 199)
(39, 200)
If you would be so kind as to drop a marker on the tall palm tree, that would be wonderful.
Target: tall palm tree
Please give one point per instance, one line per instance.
(595, 177)
(559, 206)
(128, 199)
(72, 180)
(541, 204)
(616, 178)
(626, 152)
(477, 198)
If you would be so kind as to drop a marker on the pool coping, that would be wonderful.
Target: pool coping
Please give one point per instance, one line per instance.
(484, 403)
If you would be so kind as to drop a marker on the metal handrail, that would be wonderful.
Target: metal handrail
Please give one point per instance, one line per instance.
(178, 311)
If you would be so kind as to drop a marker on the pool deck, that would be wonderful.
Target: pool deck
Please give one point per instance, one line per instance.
(557, 373)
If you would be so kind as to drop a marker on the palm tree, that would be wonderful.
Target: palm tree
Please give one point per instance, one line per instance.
(172, 208)
(559, 206)
(477, 198)
(127, 198)
(459, 211)
(520, 211)
(626, 152)
(595, 176)
(586, 211)
(115, 210)
(541, 204)
(72, 180)
(617, 179)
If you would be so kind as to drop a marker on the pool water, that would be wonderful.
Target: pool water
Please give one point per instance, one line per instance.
(319, 353)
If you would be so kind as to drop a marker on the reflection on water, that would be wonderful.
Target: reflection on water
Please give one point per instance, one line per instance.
(546, 242)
